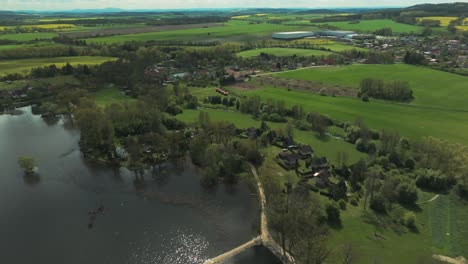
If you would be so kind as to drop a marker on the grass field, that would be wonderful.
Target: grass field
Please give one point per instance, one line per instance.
(431, 88)
(328, 147)
(232, 30)
(283, 52)
(440, 231)
(444, 21)
(28, 36)
(412, 122)
(37, 44)
(40, 82)
(373, 25)
(108, 96)
(25, 65)
(329, 44)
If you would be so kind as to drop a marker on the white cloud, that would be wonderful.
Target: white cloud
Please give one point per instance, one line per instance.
(162, 4)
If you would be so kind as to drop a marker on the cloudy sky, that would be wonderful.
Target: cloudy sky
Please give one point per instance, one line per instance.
(163, 4)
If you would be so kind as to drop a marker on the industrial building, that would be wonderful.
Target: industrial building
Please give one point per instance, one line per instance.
(307, 34)
(293, 35)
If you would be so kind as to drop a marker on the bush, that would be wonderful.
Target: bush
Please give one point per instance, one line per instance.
(409, 220)
(354, 202)
(433, 180)
(365, 98)
(407, 194)
(378, 203)
(342, 205)
(323, 92)
(276, 118)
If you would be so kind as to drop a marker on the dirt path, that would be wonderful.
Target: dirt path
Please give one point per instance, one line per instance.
(430, 200)
(459, 260)
(264, 237)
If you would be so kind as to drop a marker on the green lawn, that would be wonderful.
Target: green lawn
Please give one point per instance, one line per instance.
(25, 65)
(283, 52)
(232, 30)
(328, 147)
(28, 36)
(431, 88)
(373, 25)
(108, 96)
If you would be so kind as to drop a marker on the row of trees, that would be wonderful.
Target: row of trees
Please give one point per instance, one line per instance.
(388, 90)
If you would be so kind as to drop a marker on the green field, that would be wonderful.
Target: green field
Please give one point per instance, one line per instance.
(412, 122)
(60, 80)
(328, 147)
(373, 25)
(432, 88)
(284, 52)
(440, 230)
(25, 65)
(232, 30)
(108, 96)
(28, 36)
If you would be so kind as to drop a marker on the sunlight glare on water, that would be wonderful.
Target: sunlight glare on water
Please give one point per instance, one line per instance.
(179, 247)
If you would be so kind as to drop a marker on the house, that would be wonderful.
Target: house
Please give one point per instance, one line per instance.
(288, 160)
(305, 151)
(318, 164)
(321, 179)
(250, 133)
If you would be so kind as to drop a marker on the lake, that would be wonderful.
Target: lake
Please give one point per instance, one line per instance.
(80, 212)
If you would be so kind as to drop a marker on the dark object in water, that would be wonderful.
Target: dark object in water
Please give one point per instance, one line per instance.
(90, 225)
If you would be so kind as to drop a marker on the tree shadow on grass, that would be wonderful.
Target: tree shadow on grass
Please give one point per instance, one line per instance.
(323, 138)
(336, 225)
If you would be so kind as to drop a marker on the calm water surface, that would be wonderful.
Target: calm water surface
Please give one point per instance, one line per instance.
(165, 218)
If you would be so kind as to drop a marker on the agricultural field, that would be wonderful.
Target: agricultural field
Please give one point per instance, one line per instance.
(29, 36)
(36, 44)
(43, 26)
(25, 65)
(444, 21)
(39, 82)
(231, 31)
(283, 52)
(373, 25)
(426, 83)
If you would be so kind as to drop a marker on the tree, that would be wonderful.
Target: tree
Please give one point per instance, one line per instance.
(407, 194)
(28, 164)
(333, 213)
(373, 175)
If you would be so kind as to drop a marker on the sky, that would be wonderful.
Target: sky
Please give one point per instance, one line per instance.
(184, 4)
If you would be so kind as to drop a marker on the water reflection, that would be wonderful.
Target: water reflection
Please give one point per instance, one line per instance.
(159, 216)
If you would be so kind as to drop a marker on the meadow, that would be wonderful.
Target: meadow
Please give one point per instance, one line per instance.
(432, 88)
(232, 30)
(412, 122)
(373, 25)
(440, 226)
(28, 36)
(25, 65)
(111, 95)
(283, 52)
